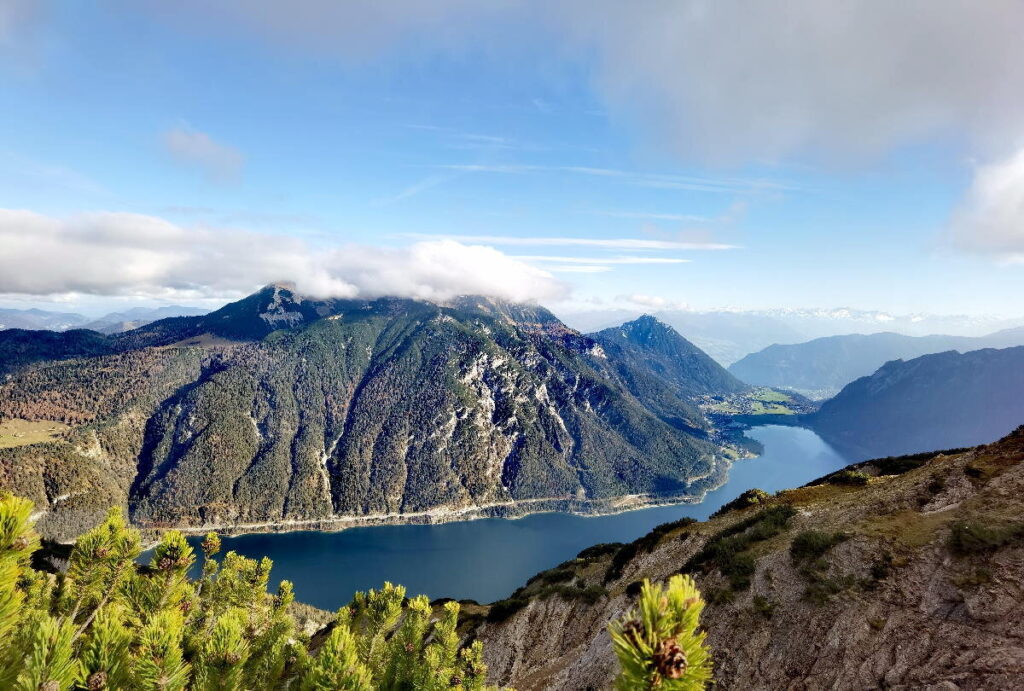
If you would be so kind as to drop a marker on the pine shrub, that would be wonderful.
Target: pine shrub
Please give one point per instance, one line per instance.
(658, 644)
(108, 623)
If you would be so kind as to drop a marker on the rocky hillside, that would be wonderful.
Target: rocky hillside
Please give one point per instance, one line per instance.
(279, 410)
(897, 573)
(821, 367)
(931, 402)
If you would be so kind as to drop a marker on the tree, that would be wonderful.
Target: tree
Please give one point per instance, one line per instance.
(109, 623)
(658, 644)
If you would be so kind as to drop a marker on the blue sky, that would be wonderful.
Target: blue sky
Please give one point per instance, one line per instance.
(350, 139)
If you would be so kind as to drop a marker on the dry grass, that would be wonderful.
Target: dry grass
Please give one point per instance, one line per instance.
(18, 432)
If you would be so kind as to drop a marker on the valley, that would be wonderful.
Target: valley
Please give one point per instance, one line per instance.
(486, 559)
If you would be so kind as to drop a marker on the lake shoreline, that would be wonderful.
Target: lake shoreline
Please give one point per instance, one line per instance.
(457, 554)
(512, 510)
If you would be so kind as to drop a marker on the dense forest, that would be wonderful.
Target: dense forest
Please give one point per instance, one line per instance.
(282, 408)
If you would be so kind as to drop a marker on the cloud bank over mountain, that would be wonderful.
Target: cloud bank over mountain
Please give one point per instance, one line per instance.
(118, 254)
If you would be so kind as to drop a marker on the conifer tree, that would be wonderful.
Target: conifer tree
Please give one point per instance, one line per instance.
(109, 623)
(658, 643)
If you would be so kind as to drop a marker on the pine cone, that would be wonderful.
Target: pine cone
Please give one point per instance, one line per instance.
(49, 686)
(97, 681)
(669, 659)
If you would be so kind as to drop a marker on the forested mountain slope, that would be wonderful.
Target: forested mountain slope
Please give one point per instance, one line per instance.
(896, 573)
(825, 365)
(653, 348)
(935, 401)
(278, 408)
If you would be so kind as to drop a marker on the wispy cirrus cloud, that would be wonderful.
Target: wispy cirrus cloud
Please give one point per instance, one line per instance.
(652, 216)
(611, 243)
(602, 260)
(427, 183)
(728, 185)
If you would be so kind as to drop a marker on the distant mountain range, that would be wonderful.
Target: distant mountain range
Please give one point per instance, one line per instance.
(729, 335)
(936, 401)
(39, 319)
(115, 322)
(821, 367)
(281, 408)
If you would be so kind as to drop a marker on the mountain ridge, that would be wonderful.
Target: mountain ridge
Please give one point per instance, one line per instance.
(940, 400)
(824, 365)
(280, 407)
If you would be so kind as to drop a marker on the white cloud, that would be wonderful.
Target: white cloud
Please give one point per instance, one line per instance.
(990, 219)
(579, 269)
(602, 260)
(122, 254)
(615, 243)
(652, 302)
(190, 147)
(733, 81)
(724, 80)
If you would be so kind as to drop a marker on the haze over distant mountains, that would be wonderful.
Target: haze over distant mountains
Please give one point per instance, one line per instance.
(729, 335)
(936, 401)
(114, 322)
(821, 367)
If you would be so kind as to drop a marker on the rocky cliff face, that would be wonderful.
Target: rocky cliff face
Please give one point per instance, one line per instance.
(279, 408)
(903, 573)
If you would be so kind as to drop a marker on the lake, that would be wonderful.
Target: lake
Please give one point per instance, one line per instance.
(486, 559)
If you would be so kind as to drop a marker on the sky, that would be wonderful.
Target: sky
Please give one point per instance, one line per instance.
(588, 155)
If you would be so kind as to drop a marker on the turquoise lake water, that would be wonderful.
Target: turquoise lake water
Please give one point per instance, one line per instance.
(485, 560)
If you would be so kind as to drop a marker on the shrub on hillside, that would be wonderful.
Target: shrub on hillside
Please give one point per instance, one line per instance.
(969, 538)
(658, 643)
(110, 624)
(811, 545)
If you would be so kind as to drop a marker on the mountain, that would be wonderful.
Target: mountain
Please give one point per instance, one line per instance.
(729, 335)
(280, 408)
(114, 322)
(40, 319)
(725, 336)
(899, 573)
(649, 348)
(117, 322)
(823, 366)
(935, 401)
